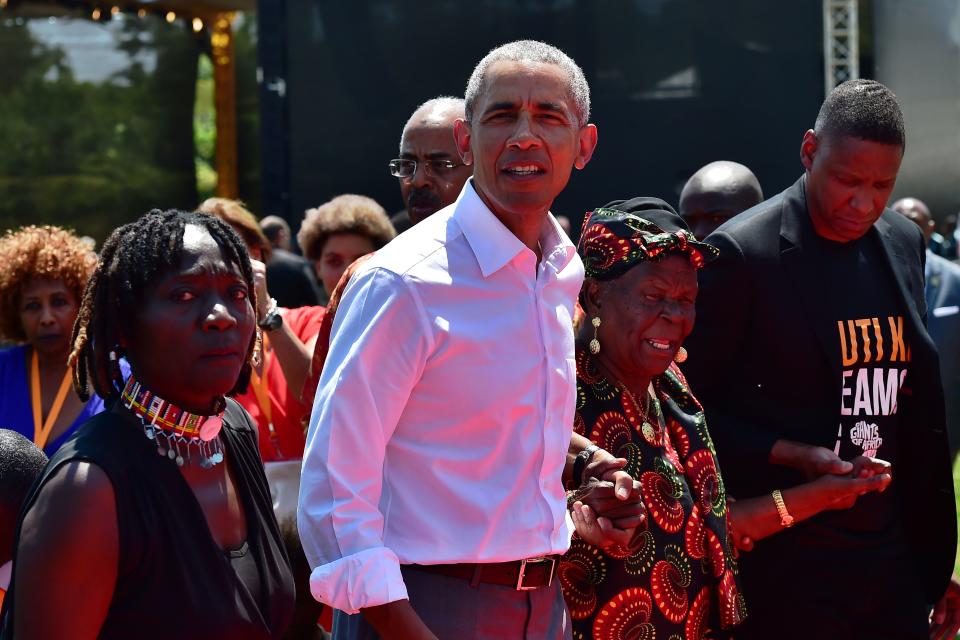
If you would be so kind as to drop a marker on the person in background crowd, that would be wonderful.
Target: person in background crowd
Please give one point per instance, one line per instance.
(812, 319)
(951, 238)
(431, 177)
(164, 495)
(451, 369)
(21, 462)
(429, 168)
(942, 291)
(339, 231)
(291, 277)
(717, 192)
(273, 397)
(641, 264)
(44, 272)
(277, 232)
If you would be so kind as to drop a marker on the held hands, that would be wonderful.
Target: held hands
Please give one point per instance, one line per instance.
(603, 518)
(603, 466)
(814, 462)
(841, 492)
(756, 518)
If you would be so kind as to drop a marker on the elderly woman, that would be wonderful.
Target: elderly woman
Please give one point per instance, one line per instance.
(338, 232)
(154, 520)
(678, 577)
(44, 272)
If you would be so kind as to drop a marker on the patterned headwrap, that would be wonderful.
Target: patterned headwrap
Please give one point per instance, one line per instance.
(624, 233)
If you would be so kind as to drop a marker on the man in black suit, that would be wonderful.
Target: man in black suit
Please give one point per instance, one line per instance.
(811, 356)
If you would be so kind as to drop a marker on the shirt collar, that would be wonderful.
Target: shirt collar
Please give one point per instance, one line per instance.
(495, 246)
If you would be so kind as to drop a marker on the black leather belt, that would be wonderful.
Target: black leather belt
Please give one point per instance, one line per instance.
(523, 575)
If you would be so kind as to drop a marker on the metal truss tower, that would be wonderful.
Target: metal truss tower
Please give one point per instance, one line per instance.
(841, 42)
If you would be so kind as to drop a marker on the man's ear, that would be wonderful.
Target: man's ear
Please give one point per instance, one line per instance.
(808, 149)
(461, 136)
(587, 138)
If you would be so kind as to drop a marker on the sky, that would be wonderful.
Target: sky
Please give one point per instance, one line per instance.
(90, 47)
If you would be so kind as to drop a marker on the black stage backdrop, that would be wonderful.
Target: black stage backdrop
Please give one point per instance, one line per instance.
(675, 84)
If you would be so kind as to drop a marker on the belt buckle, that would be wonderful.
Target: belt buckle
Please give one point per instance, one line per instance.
(523, 570)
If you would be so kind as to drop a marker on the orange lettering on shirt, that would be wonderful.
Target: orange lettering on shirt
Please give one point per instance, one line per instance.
(898, 351)
(879, 337)
(851, 358)
(864, 324)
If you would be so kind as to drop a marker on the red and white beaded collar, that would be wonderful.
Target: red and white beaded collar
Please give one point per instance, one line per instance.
(175, 430)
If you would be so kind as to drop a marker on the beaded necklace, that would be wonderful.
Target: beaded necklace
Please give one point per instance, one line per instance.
(175, 430)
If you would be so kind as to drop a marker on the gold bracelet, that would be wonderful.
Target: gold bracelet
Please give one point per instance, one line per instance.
(786, 520)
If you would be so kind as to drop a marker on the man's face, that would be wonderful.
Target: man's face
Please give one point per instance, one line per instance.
(705, 212)
(918, 212)
(431, 188)
(849, 181)
(525, 138)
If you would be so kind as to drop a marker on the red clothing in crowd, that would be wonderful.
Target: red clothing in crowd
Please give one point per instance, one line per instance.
(288, 411)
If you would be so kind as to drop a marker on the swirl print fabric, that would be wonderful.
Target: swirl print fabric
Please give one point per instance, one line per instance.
(680, 579)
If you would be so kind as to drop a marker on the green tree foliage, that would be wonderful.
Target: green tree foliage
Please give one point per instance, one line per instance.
(93, 155)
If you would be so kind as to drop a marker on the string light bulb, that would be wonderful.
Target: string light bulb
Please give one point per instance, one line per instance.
(141, 13)
(114, 10)
(95, 14)
(197, 25)
(171, 16)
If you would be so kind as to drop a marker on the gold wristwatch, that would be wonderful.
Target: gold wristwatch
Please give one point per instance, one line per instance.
(786, 520)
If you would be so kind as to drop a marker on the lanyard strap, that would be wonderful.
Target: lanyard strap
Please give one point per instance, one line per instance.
(263, 396)
(41, 433)
(259, 384)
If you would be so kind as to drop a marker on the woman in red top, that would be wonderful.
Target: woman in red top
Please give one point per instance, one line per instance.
(289, 335)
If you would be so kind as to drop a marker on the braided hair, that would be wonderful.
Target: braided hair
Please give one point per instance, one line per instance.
(133, 258)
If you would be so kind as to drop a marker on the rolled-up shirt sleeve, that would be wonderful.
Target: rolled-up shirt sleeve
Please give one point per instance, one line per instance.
(378, 347)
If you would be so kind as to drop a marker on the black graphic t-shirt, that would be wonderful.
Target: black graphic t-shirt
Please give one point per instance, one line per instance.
(873, 354)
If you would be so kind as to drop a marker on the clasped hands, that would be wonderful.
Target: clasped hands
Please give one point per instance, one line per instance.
(836, 483)
(607, 508)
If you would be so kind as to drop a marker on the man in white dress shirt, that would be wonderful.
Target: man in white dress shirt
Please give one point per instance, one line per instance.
(431, 497)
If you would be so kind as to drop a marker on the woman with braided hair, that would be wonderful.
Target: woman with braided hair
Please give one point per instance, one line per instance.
(154, 520)
(45, 270)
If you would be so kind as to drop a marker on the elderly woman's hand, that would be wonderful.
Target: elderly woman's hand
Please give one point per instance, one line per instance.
(841, 492)
(600, 531)
(617, 519)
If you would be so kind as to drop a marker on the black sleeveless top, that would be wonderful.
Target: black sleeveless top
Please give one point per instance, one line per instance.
(173, 580)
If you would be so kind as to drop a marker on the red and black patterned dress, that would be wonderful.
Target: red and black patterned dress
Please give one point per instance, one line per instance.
(682, 582)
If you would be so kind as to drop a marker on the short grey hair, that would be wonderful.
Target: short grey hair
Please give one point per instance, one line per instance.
(440, 103)
(530, 51)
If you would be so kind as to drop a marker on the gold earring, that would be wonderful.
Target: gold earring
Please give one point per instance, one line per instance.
(595, 343)
(257, 349)
(681, 356)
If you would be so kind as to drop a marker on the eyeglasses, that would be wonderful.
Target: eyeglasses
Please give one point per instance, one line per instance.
(405, 167)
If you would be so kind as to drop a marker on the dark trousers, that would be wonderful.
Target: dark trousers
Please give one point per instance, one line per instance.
(453, 610)
(823, 594)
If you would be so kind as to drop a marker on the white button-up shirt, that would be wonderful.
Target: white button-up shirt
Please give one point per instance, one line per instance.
(445, 408)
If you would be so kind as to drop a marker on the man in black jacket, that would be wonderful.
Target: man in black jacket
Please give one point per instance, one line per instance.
(810, 355)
